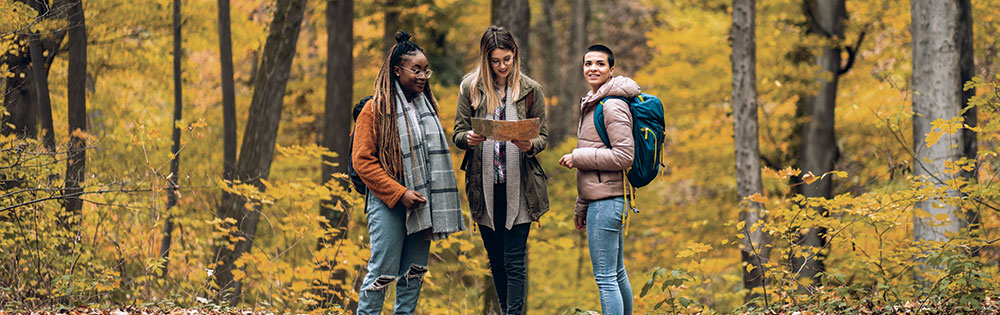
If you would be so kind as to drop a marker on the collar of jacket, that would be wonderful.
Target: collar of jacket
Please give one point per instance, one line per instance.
(616, 86)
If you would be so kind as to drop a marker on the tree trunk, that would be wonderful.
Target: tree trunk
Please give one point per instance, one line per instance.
(748, 177)
(43, 62)
(570, 87)
(937, 94)
(550, 55)
(76, 97)
(337, 124)
(40, 74)
(254, 163)
(968, 65)
(228, 93)
(515, 17)
(391, 25)
(818, 143)
(19, 92)
(168, 227)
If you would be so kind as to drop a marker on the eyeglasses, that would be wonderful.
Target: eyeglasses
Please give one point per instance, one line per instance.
(425, 73)
(506, 61)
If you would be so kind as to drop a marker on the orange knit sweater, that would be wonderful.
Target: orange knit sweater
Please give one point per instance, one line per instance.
(366, 161)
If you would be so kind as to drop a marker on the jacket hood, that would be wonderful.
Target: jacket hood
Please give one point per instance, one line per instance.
(616, 86)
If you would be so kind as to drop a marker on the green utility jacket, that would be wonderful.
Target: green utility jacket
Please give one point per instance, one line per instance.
(532, 176)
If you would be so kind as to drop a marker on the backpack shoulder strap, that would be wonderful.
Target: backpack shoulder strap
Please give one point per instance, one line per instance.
(599, 119)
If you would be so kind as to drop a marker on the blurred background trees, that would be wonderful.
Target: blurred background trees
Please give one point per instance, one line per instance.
(877, 159)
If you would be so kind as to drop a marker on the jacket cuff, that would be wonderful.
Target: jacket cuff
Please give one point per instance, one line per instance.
(534, 150)
(581, 207)
(461, 140)
(393, 197)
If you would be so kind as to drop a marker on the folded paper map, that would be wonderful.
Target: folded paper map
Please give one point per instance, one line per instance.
(506, 130)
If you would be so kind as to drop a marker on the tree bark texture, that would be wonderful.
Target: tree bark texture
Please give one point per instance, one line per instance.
(40, 63)
(570, 87)
(51, 45)
(228, 92)
(391, 24)
(549, 44)
(968, 65)
(19, 92)
(40, 74)
(937, 94)
(168, 226)
(76, 96)
(748, 175)
(818, 148)
(337, 122)
(254, 163)
(515, 17)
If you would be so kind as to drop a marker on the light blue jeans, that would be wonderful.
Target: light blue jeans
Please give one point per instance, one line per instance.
(396, 257)
(604, 237)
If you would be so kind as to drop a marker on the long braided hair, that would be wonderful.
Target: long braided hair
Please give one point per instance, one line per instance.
(386, 132)
(494, 38)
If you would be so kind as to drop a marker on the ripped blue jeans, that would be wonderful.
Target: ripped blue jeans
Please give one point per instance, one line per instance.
(396, 258)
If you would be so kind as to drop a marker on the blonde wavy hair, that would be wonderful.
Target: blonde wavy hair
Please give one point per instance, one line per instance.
(495, 37)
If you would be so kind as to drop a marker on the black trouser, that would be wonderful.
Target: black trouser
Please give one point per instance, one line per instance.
(506, 250)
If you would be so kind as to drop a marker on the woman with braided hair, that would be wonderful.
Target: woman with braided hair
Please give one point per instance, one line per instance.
(503, 180)
(401, 154)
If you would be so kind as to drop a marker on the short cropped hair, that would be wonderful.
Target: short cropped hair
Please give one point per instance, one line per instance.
(605, 50)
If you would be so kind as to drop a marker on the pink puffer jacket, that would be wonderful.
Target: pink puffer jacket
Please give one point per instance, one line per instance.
(599, 168)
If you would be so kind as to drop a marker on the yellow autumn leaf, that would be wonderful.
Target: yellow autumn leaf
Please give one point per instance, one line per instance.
(757, 197)
(840, 174)
(920, 213)
(685, 254)
(809, 178)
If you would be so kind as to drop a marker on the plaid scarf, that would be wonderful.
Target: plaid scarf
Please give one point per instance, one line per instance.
(428, 170)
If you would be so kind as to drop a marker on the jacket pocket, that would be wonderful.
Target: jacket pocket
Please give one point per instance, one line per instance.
(535, 188)
(466, 160)
(474, 192)
(474, 183)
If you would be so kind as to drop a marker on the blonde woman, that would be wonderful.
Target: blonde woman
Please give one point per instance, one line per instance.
(503, 180)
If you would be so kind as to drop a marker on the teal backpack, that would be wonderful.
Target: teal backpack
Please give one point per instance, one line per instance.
(648, 131)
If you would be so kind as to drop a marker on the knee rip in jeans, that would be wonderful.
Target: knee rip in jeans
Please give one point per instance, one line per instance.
(381, 284)
(415, 272)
